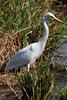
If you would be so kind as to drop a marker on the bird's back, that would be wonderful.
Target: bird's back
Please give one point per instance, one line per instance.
(19, 59)
(24, 56)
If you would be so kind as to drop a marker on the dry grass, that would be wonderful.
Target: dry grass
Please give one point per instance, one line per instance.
(9, 87)
(18, 23)
(8, 46)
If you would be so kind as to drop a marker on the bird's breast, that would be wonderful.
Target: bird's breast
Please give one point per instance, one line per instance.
(36, 51)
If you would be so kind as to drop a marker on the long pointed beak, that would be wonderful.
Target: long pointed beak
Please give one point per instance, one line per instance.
(57, 19)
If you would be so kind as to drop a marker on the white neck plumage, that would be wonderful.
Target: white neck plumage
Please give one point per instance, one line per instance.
(44, 38)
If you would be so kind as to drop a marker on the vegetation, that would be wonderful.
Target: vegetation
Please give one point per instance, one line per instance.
(21, 16)
(24, 17)
(62, 94)
(38, 84)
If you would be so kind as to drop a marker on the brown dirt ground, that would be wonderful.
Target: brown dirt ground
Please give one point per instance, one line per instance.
(9, 87)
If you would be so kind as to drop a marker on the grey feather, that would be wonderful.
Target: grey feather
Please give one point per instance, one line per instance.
(29, 54)
(21, 56)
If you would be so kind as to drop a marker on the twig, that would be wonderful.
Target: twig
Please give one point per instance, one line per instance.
(4, 90)
(12, 89)
(26, 93)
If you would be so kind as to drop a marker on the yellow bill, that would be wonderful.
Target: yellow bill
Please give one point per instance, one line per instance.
(57, 19)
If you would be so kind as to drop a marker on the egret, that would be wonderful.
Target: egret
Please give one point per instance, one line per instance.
(30, 53)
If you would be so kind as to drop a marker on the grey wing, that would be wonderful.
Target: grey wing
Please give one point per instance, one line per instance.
(19, 59)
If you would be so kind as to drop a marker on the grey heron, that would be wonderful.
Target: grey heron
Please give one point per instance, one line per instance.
(30, 53)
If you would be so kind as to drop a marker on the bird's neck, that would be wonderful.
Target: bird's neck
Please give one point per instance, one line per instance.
(44, 38)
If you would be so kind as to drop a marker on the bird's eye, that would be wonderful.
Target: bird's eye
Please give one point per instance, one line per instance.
(51, 17)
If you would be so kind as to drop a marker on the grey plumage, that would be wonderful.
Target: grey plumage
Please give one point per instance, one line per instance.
(29, 54)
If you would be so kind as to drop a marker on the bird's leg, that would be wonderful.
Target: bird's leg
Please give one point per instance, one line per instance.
(28, 66)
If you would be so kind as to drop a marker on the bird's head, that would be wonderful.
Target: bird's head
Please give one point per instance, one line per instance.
(50, 16)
